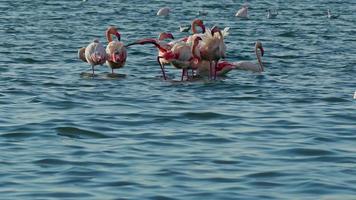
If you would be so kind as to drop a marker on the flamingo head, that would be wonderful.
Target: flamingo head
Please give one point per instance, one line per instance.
(164, 35)
(259, 46)
(215, 29)
(200, 23)
(113, 31)
(117, 34)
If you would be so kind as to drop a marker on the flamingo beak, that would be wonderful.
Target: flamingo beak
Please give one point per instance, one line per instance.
(117, 34)
(203, 28)
(262, 50)
(170, 35)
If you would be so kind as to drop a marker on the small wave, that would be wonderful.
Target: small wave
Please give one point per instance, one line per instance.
(306, 152)
(16, 135)
(203, 115)
(73, 132)
(288, 34)
(269, 174)
(334, 99)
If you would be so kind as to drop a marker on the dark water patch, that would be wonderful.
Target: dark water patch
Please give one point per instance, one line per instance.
(36, 194)
(161, 197)
(305, 152)
(265, 184)
(268, 174)
(121, 184)
(52, 162)
(203, 115)
(78, 133)
(288, 34)
(213, 140)
(335, 99)
(226, 162)
(17, 135)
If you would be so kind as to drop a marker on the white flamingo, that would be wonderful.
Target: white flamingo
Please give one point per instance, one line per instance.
(242, 12)
(115, 50)
(94, 54)
(247, 65)
(163, 11)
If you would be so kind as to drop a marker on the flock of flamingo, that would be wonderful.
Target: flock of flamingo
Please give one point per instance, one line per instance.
(200, 53)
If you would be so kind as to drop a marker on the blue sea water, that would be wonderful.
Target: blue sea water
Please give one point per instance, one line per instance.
(288, 133)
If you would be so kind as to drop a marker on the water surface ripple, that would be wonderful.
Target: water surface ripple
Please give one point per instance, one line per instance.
(288, 133)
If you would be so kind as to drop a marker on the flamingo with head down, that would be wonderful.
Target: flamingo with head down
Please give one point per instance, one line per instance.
(115, 50)
(223, 67)
(182, 55)
(94, 54)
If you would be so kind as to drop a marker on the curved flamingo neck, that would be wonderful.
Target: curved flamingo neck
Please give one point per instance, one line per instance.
(259, 59)
(194, 29)
(108, 36)
(194, 24)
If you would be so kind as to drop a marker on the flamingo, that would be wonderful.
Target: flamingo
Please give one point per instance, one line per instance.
(195, 23)
(242, 12)
(212, 48)
(181, 55)
(164, 47)
(115, 50)
(163, 11)
(94, 54)
(246, 65)
(271, 15)
(223, 67)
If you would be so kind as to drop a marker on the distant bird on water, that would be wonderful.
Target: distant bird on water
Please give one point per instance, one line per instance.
(242, 12)
(163, 11)
(271, 15)
(330, 16)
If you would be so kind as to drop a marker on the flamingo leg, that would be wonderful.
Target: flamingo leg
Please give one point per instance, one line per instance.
(216, 66)
(112, 71)
(162, 67)
(210, 70)
(183, 72)
(92, 68)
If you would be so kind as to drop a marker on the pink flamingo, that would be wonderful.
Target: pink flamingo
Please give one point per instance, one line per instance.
(195, 23)
(115, 50)
(182, 55)
(212, 48)
(94, 54)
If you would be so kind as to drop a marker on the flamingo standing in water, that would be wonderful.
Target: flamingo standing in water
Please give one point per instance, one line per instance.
(163, 36)
(223, 67)
(212, 48)
(181, 55)
(115, 50)
(94, 54)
